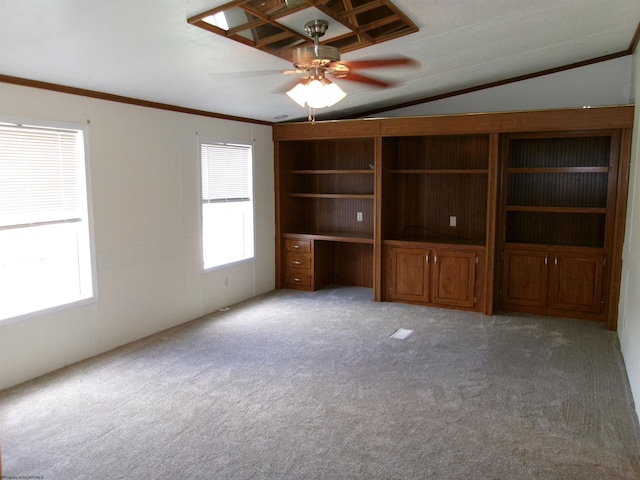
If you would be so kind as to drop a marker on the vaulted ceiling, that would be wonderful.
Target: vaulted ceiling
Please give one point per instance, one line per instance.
(147, 50)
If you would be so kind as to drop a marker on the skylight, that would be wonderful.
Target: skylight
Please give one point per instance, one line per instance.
(270, 25)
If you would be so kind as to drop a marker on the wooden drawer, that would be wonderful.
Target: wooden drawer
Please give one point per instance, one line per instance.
(294, 278)
(301, 261)
(300, 246)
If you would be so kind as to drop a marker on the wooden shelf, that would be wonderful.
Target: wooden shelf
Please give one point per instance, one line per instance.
(332, 195)
(433, 240)
(451, 171)
(558, 170)
(332, 172)
(344, 237)
(533, 208)
(542, 247)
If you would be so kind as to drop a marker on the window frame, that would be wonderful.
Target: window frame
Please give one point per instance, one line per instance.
(204, 140)
(85, 196)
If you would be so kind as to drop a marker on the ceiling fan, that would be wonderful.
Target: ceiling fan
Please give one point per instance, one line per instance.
(317, 61)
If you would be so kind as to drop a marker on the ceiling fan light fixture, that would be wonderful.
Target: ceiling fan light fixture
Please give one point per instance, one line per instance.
(299, 94)
(332, 94)
(316, 92)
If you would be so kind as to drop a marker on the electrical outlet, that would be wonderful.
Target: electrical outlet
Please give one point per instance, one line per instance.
(359, 216)
(452, 221)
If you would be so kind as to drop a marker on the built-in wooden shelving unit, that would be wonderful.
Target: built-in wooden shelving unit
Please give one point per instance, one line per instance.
(459, 211)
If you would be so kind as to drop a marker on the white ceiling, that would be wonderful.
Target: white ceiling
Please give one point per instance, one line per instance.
(145, 49)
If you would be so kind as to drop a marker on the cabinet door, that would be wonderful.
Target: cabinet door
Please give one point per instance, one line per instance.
(409, 274)
(454, 278)
(525, 278)
(576, 281)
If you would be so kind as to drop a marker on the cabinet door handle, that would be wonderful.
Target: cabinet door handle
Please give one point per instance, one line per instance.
(556, 261)
(426, 258)
(435, 258)
(546, 260)
(296, 262)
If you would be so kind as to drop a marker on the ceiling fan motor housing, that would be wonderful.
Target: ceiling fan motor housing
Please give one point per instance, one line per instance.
(315, 56)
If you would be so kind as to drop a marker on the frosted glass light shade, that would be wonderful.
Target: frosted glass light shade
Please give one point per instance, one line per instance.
(299, 94)
(333, 94)
(316, 93)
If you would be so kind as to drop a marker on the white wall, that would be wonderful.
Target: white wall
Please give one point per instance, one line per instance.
(605, 83)
(145, 195)
(629, 316)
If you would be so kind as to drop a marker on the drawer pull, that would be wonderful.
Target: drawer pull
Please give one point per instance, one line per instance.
(296, 279)
(297, 262)
(296, 246)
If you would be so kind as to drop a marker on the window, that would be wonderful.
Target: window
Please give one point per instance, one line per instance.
(45, 259)
(227, 203)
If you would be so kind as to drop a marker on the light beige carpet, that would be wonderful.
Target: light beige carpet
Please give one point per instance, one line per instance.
(296, 385)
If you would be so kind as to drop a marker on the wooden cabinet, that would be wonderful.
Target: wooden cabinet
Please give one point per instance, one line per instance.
(326, 195)
(441, 276)
(298, 264)
(525, 278)
(454, 278)
(305, 265)
(517, 210)
(435, 191)
(409, 274)
(556, 279)
(558, 219)
(576, 281)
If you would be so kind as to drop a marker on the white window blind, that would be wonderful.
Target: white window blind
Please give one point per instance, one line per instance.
(45, 246)
(39, 177)
(227, 203)
(226, 173)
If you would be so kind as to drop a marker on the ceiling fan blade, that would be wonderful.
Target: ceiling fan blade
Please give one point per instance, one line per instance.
(356, 77)
(381, 63)
(244, 74)
(289, 85)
